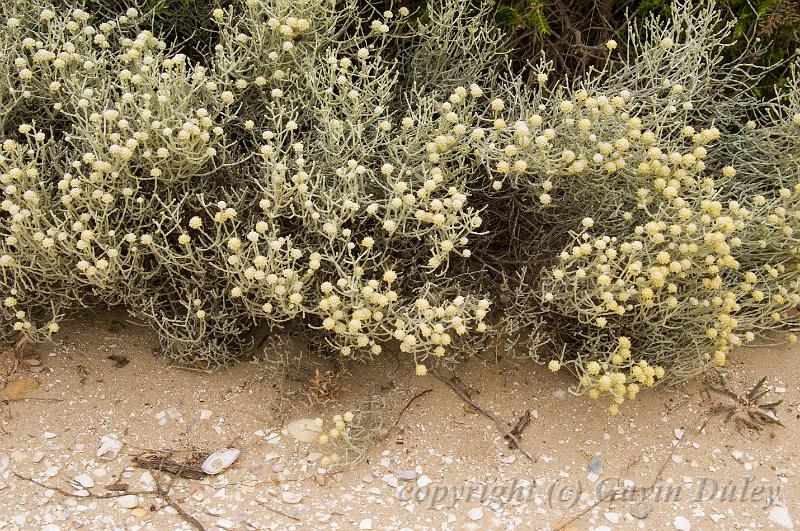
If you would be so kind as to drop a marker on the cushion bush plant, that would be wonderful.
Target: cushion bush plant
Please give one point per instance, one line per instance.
(374, 177)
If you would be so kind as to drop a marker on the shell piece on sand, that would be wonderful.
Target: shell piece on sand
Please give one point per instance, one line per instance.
(109, 447)
(779, 515)
(220, 460)
(84, 480)
(291, 497)
(129, 501)
(304, 430)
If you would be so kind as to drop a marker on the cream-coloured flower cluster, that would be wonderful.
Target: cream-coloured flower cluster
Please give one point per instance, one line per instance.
(345, 437)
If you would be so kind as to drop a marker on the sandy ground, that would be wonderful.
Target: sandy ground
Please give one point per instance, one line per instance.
(444, 466)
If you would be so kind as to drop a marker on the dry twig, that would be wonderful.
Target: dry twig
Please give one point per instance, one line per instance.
(522, 423)
(168, 465)
(277, 511)
(160, 493)
(494, 418)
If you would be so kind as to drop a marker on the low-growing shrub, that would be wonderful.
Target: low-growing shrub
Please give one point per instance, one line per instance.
(373, 178)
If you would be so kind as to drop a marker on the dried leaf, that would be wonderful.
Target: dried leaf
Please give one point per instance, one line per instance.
(751, 395)
(771, 405)
(19, 389)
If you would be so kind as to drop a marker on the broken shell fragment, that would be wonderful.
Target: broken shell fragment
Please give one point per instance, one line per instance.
(129, 501)
(220, 460)
(291, 497)
(109, 447)
(84, 480)
(304, 430)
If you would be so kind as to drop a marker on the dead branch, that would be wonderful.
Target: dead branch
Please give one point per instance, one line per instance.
(408, 405)
(522, 423)
(168, 465)
(502, 426)
(277, 511)
(160, 493)
(164, 495)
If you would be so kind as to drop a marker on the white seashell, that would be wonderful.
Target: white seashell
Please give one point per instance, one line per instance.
(129, 501)
(291, 497)
(84, 480)
(109, 447)
(423, 481)
(304, 430)
(146, 479)
(220, 460)
(779, 515)
(407, 475)
(682, 523)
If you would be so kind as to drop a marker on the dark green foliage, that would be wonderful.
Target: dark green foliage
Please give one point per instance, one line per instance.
(524, 15)
(572, 32)
(773, 24)
(776, 23)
